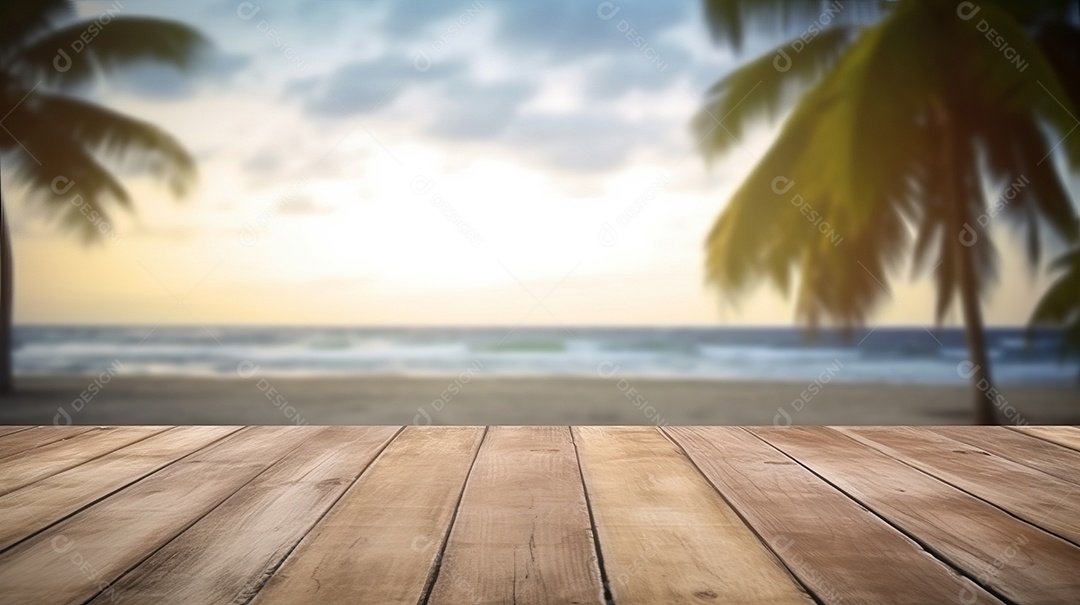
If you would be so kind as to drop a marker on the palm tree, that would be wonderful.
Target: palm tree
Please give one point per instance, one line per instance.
(1061, 303)
(900, 116)
(62, 148)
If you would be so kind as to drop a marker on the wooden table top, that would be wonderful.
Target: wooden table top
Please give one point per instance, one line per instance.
(547, 514)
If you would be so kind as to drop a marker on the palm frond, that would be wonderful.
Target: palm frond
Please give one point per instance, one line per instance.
(1030, 87)
(21, 20)
(133, 145)
(1032, 195)
(949, 213)
(1060, 305)
(844, 284)
(1060, 44)
(862, 149)
(1062, 300)
(64, 178)
(765, 87)
(119, 43)
(730, 21)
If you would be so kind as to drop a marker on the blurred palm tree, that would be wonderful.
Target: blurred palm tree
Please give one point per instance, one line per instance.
(1061, 303)
(904, 116)
(66, 151)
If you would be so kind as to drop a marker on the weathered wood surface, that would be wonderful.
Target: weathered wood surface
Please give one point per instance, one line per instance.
(1032, 495)
(51, 499)
(523, 516)
(77, 558)
(1012, 558)
(664, 534)
(226, 555)
(841, 551)
(23, 439)
(1045, 456)
(7, 430)
(1068, 436)
(382, 542)
(25, 467)
(449, 515)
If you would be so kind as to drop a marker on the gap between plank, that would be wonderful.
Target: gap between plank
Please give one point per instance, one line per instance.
(609, 599)
(75, 433)
(433, 575)
(1041, 437)
(1052, 450)
(870, 443)
(24, 453)
(14, 493)
(911, 536)
(269, 574)
(739, 514)
(113, 492)
(19, 430)
(199, 518)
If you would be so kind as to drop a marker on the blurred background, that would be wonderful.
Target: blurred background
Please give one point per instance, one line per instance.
(565, 212)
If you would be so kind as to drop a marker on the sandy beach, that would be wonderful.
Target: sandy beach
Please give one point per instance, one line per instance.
(391, 400)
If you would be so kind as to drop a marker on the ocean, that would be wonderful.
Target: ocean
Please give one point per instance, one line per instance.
(891, 355)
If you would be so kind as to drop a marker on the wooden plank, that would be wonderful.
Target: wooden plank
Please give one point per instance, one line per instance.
(1032, 495)
(1068, 436)
(18, 471)
(15, 443)
(522, 533)
(228, 554)
(1050, 458)
(839, 550)
(7, 430)
(381, 541)
(665, 535)
(77, 558)
(40, 504)
(1014, 559)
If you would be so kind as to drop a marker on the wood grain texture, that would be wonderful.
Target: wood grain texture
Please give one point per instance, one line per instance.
(77, 558)
(1013, 558)
(49, 500)
(1050, 458)
(31, 465)
(522, 533)
(18, 442)
(7, 430)
(839, 550)
(1032, 495)
(1068, 436)
(227, 555)
(447, 515)
(381, 541)
(665, 535)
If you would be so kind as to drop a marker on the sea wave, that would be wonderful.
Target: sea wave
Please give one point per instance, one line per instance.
(909, 356)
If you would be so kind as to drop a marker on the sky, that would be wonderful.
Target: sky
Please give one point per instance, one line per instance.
(430, 162)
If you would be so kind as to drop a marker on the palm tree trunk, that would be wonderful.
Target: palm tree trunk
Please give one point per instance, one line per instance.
(976, 337)
(7, 282)
(957, 177)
